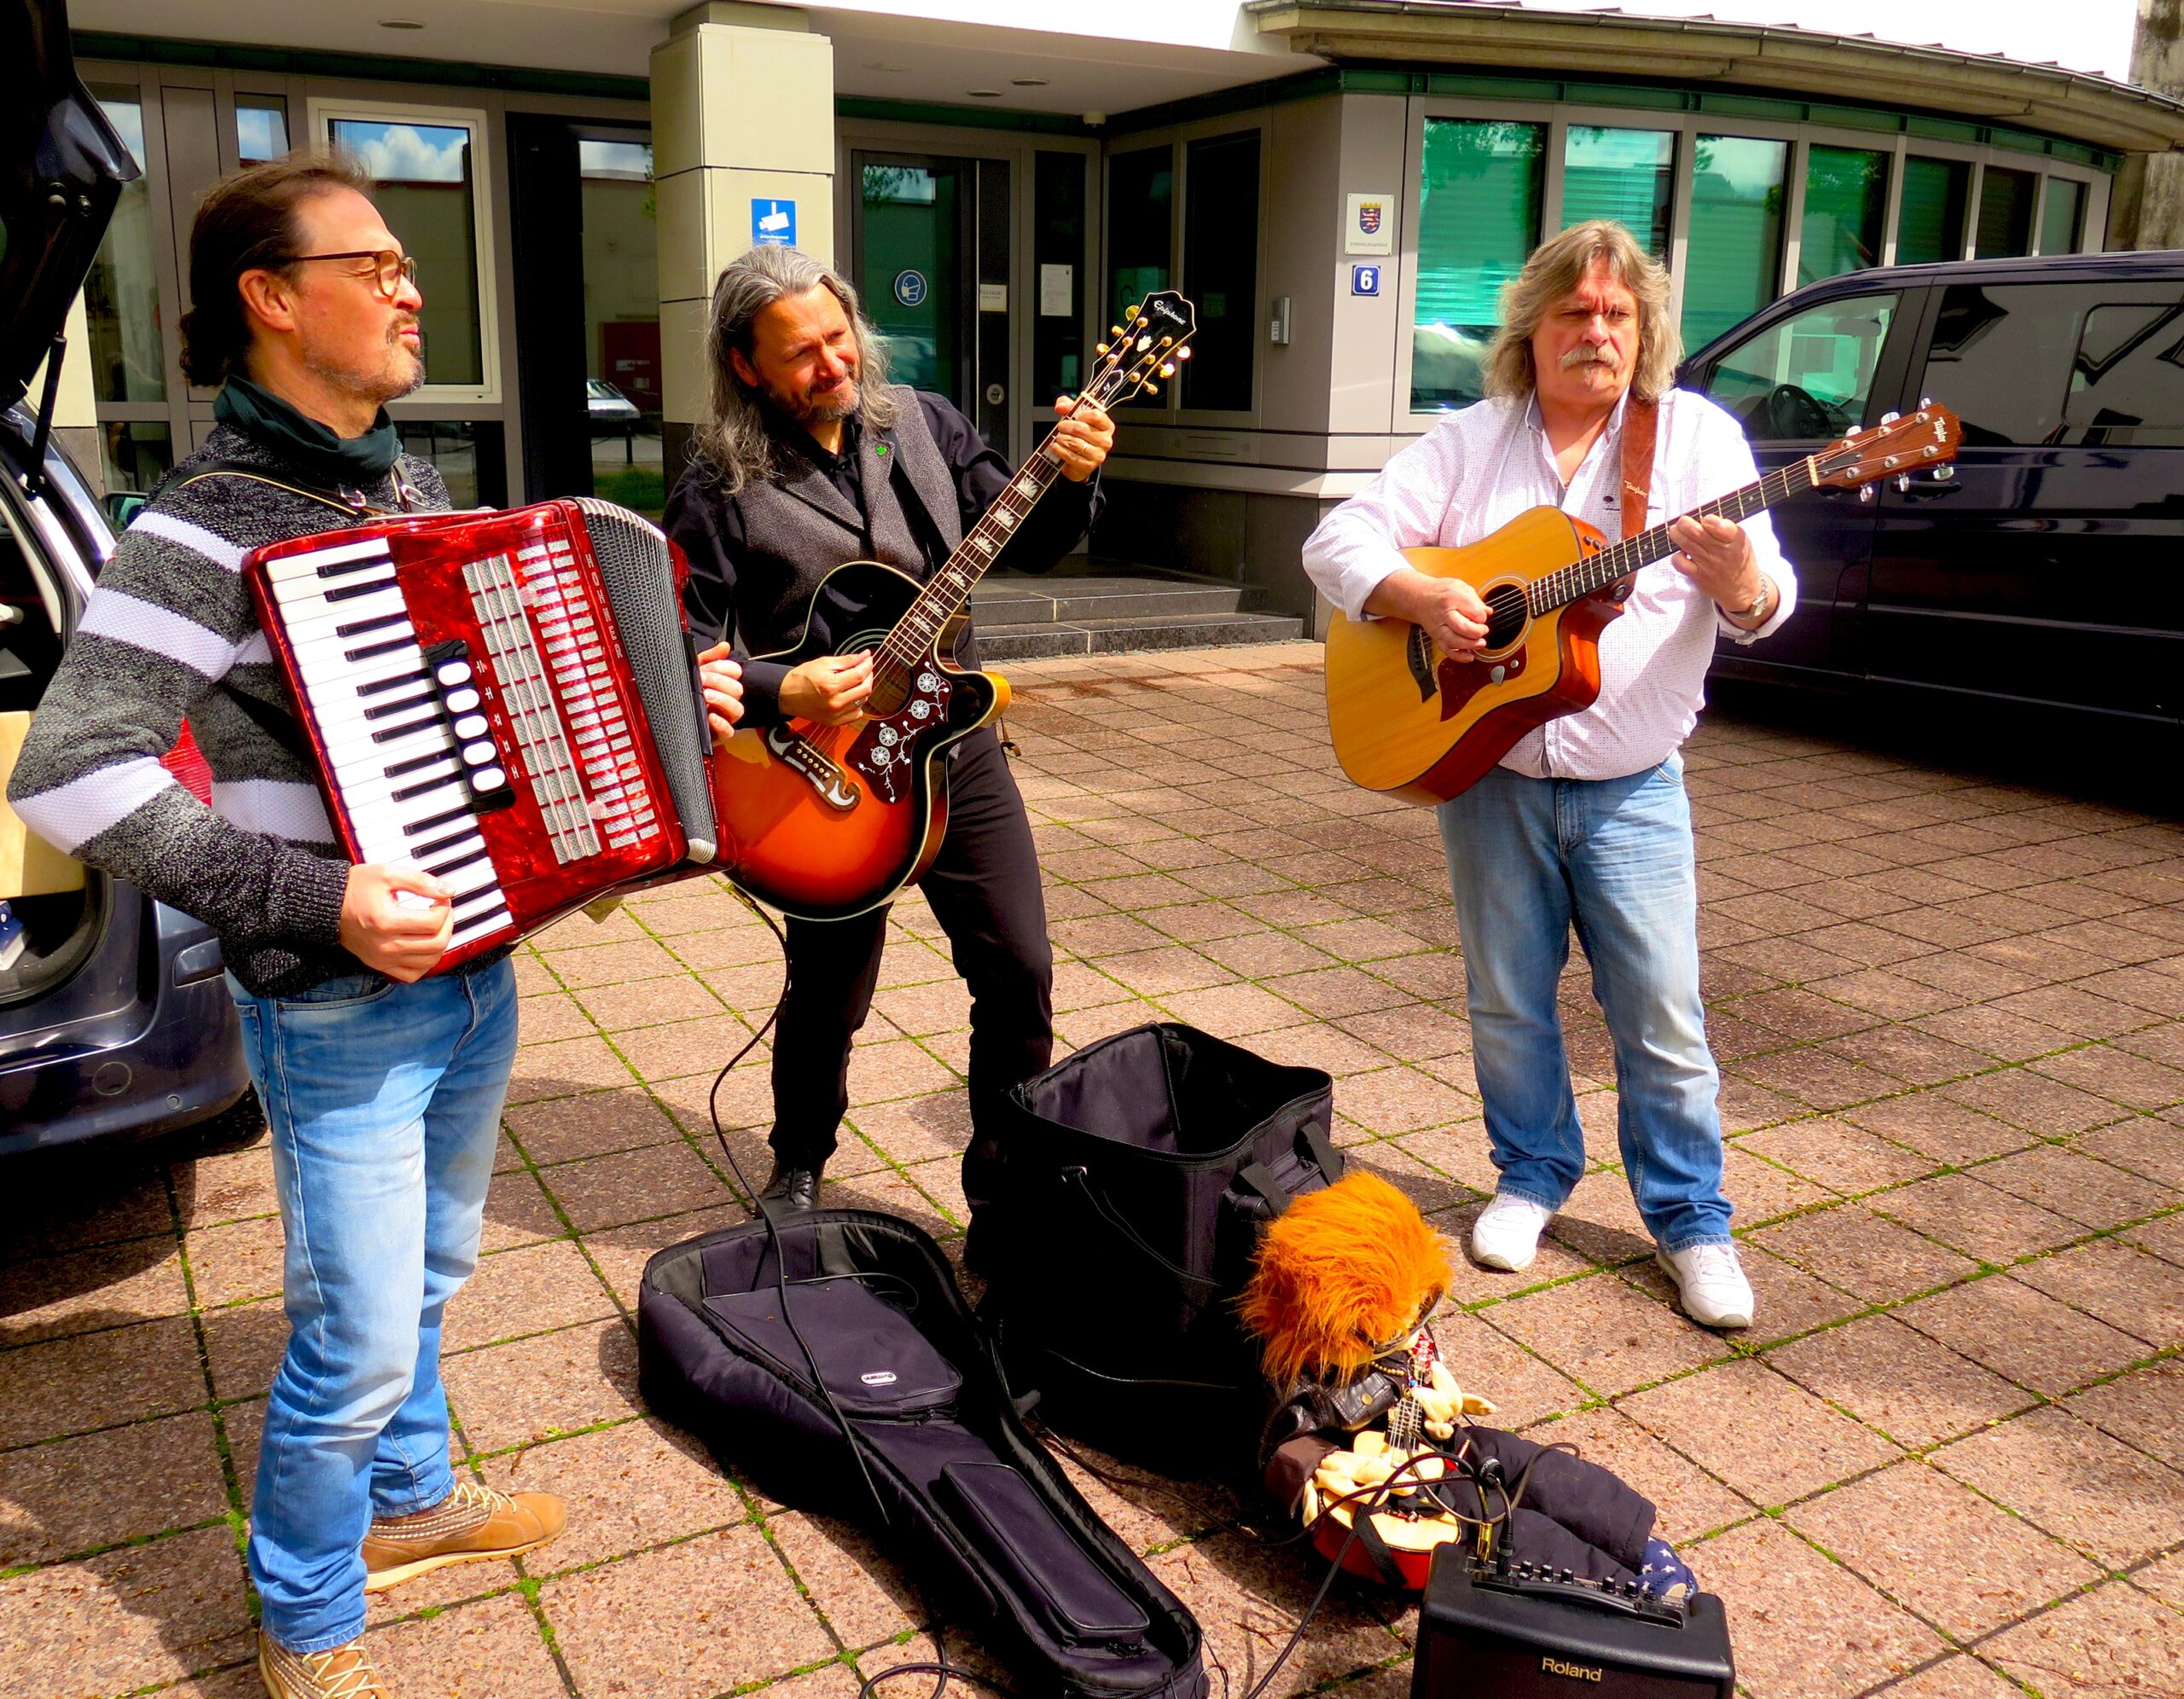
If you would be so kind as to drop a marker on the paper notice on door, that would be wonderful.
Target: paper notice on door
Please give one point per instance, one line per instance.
(1057, 284)
(993, 297)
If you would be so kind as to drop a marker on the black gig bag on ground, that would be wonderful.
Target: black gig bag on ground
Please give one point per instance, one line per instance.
(972, 1505)
(1132, 1182)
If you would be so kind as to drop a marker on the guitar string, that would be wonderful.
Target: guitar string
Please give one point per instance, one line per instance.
(928, 613)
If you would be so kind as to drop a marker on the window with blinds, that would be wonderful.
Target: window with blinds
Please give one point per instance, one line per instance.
(1734, 256)
(2062, 216)
(2005, 213)
(1626, 174)
(1478, 219)
(1930, 222)
(1846, 204)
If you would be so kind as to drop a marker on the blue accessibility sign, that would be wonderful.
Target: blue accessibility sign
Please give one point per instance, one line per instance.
(910, 289)
(773, 224)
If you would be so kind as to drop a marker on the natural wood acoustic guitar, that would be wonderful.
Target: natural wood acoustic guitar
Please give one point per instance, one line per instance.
(1416, 723)
(823, 822)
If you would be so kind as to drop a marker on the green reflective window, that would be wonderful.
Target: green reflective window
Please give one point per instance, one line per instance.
(121, 294)
(1626, 174)
(2060, 216)
(1930, 222)
(1846, 204)
(136, 454)
(424, 187)
(1734, 259)
(2005, 213)
(1478, 219)
(1220, 257)
(1809, 378)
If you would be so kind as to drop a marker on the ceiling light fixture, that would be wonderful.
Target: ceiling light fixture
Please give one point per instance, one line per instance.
(1028, 82)
(402, 23)
(984, 94)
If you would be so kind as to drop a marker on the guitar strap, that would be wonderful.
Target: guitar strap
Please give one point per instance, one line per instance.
(1641, 422)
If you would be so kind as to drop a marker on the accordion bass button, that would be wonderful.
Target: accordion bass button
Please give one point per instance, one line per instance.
(489, 779)
(462, 701)
(453, 672)
(470, 725)
(478, 754)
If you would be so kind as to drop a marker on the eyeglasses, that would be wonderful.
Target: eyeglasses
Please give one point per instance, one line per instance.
(390, 270)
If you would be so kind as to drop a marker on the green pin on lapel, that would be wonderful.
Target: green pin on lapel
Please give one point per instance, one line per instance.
(881, 450)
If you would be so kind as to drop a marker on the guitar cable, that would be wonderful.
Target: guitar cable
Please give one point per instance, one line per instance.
(939, 1665)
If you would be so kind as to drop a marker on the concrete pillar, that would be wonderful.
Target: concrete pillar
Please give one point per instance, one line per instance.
(2146, 209)
(742, 110)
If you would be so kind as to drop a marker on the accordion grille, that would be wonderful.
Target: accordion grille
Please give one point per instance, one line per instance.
(640, 578)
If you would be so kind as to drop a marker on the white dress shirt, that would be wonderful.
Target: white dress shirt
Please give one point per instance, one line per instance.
(1477, 470)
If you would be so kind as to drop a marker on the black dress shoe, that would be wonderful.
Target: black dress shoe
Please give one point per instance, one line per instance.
(790, 1185)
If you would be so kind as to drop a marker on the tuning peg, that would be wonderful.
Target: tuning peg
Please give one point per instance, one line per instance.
(1166, 341)
(1943, 474)
(1865, 492)
(1153, 389)
(1903, 483)
(1182, 353)
(1890, 418)
(1130, 311)
(1167, 371)
(1925, 400)
(1098, 347)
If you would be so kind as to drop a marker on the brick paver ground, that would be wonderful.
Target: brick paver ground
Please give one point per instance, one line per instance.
(1949, 1460)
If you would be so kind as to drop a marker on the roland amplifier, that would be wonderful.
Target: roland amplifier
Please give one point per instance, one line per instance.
(1516, 1632)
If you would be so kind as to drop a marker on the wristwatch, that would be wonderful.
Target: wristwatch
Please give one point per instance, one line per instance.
(1759, 603)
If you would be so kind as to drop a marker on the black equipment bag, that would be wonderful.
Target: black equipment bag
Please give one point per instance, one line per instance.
(1128, 1187)
(966, 1499)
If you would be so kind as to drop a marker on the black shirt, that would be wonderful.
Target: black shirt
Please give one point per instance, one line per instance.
(710, 527)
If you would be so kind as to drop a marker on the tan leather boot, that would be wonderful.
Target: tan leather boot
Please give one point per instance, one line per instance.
(343, 1673)
(472, 1522)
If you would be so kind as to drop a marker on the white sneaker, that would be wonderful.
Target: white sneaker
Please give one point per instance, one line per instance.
(1506, 1233)
(1711, 1282)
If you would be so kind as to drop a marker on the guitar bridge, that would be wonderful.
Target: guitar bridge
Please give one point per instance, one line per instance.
(821, 773)
(1418, 651)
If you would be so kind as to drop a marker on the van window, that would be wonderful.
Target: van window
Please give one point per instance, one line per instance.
(1807, 378)
(2001, 359)
(2027, 364)
(2127, 380)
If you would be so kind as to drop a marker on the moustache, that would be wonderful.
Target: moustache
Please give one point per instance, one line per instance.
(1587, 354)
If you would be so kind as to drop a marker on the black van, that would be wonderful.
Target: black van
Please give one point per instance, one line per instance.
(2046, 571)
(115, 1020)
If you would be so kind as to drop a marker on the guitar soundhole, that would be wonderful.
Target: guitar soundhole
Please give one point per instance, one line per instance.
(1506, 614)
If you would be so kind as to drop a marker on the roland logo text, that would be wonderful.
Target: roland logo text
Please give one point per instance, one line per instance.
(1575, 1672)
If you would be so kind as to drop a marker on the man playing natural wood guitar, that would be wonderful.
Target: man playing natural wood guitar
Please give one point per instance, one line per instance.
(1585, 821)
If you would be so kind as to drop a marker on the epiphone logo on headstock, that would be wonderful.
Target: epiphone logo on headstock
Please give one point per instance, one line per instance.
(1575, 1672)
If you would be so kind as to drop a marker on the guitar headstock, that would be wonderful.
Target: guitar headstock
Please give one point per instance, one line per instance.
(1897, 445)
(1153, 343)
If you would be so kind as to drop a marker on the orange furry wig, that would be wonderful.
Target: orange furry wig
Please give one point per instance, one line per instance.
(1340, 1275)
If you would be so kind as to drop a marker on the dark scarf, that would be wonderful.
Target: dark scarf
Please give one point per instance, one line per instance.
(344, 462)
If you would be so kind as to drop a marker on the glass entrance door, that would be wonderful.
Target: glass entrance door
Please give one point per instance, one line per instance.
(931, 256)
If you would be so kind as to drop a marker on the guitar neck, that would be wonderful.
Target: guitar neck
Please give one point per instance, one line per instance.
(947, 591)
(1596, 572)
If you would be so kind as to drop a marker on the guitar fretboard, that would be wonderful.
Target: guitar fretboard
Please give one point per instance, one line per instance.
(1596, 572)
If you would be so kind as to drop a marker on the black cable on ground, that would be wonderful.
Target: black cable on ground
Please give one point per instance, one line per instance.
(767, 1213)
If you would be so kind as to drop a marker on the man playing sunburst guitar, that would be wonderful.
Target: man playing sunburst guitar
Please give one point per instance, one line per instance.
(1585, 821)
(810, 458)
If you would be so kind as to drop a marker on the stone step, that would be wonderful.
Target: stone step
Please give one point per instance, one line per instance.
(1033, 601)
(1038, 641)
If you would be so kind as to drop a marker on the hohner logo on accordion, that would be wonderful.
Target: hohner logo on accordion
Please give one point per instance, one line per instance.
(506, 701)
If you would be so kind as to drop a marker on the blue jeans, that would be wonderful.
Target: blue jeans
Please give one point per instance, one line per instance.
(384, 1104)
(1528, 859)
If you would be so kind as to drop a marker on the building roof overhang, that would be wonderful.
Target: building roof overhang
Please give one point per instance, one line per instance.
(2075, 104)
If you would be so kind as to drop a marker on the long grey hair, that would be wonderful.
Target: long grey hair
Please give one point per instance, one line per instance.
(733, 441)
(1556, 268)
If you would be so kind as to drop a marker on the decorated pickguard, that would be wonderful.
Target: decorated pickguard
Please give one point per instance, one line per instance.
(886, 753)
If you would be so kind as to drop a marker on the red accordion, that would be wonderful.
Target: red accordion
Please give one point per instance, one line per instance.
(507, 701)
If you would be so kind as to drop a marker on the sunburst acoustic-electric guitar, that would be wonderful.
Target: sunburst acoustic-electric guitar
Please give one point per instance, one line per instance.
(1415, 722)
(823, 822)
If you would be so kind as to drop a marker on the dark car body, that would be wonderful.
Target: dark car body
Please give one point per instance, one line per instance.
(117, 1021)
(2042, 573)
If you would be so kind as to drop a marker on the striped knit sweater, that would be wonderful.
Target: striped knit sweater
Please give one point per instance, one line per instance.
(170, 634)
